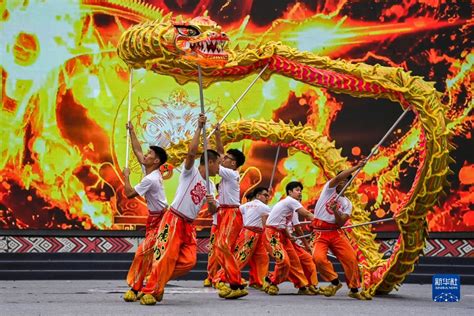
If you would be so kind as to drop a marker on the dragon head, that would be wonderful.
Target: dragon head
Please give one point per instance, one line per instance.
(175, 42)
(201, 40)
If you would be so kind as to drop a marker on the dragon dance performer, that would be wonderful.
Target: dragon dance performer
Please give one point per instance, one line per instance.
(175, 247)
(330, 215)
(229, 220)
(150, 187)
(279, 241)
(250, 247)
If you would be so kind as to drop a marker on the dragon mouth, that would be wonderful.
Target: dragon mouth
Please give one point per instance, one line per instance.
(210, 48)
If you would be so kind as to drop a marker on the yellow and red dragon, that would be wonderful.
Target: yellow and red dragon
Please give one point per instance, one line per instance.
(174, 47)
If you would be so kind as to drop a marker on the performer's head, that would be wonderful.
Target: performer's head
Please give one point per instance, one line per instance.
(155, 157)
(342, 183)
(213, 159)
(294, 189)
(261, 193)
(249, 196)
(233, 159)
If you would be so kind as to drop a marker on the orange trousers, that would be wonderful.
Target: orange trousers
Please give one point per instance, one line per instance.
(174, 252)
(340, 246)
(307, 263)
(143, 259)
(288, 265)
(212, 265)
(229, 225)
(250, 249)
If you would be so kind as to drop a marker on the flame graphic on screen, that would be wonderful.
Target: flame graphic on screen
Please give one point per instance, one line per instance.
(64, 98)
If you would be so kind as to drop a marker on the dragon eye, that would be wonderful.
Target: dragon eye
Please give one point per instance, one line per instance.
(186, 30)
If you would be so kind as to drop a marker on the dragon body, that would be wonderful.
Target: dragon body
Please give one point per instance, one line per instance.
(174, 48)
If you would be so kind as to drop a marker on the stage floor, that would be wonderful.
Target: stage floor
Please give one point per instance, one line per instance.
(190, 298)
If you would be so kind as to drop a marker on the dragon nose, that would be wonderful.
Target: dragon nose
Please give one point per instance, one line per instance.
(213, 34)
(224, 34)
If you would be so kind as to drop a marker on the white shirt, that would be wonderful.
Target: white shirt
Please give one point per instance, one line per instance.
(322, 210)
(281, 214)
(229, 187)
(295, 220)
(191, 193)
(253, 211)
(151, 188)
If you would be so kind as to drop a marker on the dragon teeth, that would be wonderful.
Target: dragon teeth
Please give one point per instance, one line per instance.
(208, 47)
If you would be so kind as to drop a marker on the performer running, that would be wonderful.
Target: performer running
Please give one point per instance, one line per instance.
(278, 241)
(330, 215)
(151, 188)
(229, 220)
(175, 247)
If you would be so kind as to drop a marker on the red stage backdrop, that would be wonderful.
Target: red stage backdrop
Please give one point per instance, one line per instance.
(64, 93)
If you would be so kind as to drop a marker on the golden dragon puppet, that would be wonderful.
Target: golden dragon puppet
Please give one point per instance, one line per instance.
(175, 47)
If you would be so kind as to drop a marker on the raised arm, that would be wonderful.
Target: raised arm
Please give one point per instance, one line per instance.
(129, 190)
(137, 148)
(194, 144)
(344, 174)
(219, 146)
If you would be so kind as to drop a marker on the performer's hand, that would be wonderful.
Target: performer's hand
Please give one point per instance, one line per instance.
(336, 210)
(362, 163)
(126, 172)
(210, 199)
(332, 206)
(129, 126)
(201, 120)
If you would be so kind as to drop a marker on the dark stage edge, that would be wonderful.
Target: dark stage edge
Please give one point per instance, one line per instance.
(103, 266)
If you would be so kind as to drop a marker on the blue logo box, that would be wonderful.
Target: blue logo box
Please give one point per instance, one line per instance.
(446, 288)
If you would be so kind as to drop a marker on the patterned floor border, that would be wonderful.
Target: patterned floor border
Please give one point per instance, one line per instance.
(16, 244)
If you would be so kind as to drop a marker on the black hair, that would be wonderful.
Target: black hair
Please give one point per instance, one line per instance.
(212, 155)
(249, 196)
(238, 155)
(293, 185)
(160, 153)
(259, 190)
